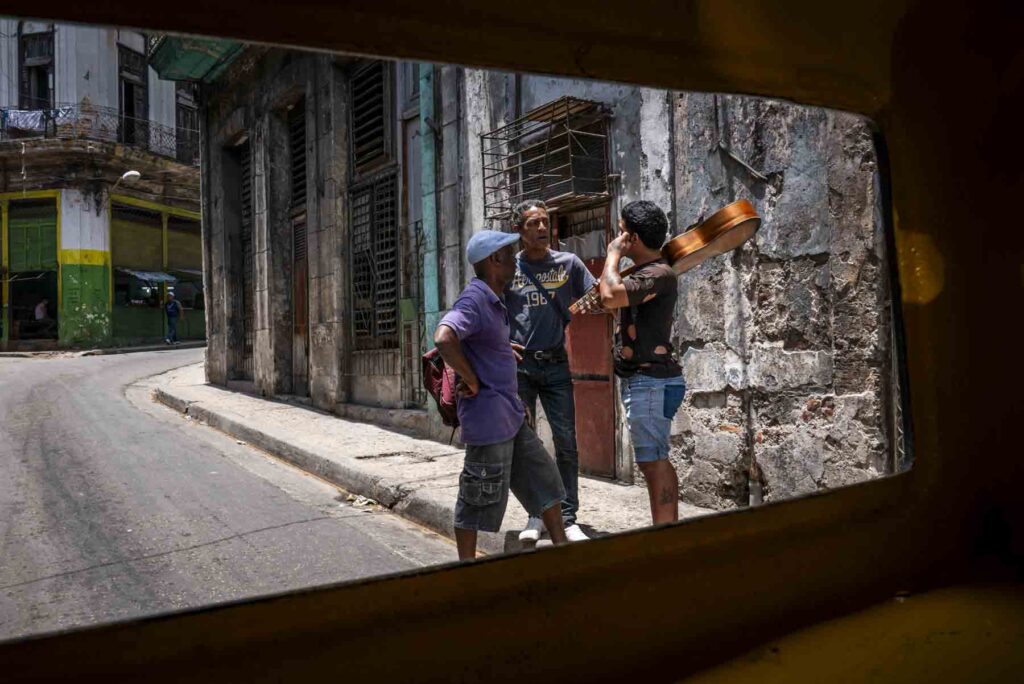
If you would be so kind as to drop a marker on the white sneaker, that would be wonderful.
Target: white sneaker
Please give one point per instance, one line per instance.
(534, 527)
(574, 534)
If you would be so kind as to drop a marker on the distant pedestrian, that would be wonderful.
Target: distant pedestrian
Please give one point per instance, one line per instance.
(174, 310)
(502, 452)
(650, 376)
(546, 283)
(45, 324)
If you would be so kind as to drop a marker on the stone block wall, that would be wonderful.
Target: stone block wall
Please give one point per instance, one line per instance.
(785, 342)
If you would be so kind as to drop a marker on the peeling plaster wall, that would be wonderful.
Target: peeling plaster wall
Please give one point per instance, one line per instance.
(85, 268)
(785, 342)
(8, 63)
(252, 99)
(91, 74)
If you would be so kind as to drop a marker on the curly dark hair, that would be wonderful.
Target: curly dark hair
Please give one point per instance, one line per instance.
(519, 211)
(648, 221)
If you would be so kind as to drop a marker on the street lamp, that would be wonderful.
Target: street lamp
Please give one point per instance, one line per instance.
(127, 177)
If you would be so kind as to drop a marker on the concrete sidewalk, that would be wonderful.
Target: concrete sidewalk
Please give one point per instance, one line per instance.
(415, 478)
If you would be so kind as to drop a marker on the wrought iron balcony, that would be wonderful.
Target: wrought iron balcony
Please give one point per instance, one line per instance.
(102, 124)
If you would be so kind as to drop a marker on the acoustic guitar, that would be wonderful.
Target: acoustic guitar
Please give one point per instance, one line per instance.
(722, 232)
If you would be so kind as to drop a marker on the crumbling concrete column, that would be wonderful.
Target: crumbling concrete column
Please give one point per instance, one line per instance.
(327, 201)
(222, 249)
(272, 238)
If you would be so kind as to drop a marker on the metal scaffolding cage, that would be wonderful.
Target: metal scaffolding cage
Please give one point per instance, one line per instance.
(556, 152)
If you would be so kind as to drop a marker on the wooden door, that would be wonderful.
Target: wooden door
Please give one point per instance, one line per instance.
(589, 343)
(300, 302)
(246, 362)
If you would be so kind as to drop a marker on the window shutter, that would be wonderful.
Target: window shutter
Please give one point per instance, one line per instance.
(371, 117)
(297, 145)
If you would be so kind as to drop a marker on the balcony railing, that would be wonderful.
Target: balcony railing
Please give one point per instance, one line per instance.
(103, 124)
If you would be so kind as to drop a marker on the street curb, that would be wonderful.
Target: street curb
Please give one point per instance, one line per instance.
(412, 505)
(152, 347)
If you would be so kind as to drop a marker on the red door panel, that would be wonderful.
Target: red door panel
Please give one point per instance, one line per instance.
(589, 342)
(595, 427)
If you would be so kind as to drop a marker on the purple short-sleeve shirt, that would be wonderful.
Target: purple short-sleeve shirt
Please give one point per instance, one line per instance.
(480, 321)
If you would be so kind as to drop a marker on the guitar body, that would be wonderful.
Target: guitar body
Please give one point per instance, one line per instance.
(722, 232)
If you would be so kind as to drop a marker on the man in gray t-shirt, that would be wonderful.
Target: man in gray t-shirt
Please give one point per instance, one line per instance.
(537, 324)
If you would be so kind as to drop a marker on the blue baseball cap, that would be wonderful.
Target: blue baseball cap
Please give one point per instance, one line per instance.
(487, 242)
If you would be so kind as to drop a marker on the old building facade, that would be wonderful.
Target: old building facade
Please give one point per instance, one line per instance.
(339, 194)
(79, 109)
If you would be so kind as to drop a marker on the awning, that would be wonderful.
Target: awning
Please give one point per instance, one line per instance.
(150, 276)
(184, 58)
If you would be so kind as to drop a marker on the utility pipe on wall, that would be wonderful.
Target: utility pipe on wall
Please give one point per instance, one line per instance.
(428, 182)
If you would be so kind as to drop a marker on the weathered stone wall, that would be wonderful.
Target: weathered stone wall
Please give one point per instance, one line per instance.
(250, 103)
(327, 230)
(784, 342)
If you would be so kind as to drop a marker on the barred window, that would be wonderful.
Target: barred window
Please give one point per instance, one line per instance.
(557, 153)
(374, 222)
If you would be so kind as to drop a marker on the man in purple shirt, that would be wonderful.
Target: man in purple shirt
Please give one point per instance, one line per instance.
(502, 451)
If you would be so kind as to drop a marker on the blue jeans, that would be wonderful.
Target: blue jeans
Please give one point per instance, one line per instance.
(552, 382)
(650, 404)
(172, 329)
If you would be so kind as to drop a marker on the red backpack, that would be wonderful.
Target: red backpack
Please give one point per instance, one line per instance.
(439, 380)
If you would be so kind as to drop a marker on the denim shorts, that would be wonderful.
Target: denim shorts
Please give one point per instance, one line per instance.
(650, 404)
(521, 464)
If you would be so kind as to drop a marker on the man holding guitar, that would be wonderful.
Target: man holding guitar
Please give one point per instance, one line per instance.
(651, 380)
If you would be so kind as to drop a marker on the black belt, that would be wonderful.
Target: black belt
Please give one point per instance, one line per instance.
(557, 354)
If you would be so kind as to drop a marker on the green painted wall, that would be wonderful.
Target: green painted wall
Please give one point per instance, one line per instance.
(84, 317)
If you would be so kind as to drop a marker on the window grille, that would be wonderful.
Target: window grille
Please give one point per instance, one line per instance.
(297, 146)
(375, 267)
(371, 117)
(557, 153)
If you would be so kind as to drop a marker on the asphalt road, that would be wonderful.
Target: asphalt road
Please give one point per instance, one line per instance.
(113, 507)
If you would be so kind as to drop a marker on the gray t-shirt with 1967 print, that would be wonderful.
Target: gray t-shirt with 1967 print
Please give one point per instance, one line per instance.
(534, 322)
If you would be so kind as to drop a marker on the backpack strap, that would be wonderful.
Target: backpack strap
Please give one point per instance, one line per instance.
(554, 301)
